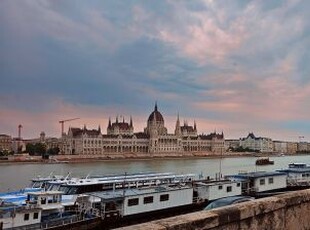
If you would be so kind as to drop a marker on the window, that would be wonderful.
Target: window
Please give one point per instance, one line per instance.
(238, 184)
(220, 187)
(229, 189)
(148, 199)
(164, 197)
(134, 201)
(262, 181)
(35, 215)
(43, 200)
(26, 216)
(270, 180)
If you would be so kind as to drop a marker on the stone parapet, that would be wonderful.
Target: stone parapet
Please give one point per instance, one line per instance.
(286, 211)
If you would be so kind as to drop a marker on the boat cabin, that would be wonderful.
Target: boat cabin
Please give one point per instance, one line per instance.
(298, 174)
(135, 201)
(264, 161)
(15, 216)
(208, 191)
(253, 183)
(87, 185)
(49, 202)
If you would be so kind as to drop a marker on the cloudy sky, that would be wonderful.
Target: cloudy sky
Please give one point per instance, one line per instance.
(237, 66)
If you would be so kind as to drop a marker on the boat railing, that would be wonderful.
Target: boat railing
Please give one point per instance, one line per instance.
(249, 190)
(64, 221)
(298, 181)
(111, 213)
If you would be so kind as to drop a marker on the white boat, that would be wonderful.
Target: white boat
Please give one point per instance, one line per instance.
(212, 190)
(43, 210)
(37, 184)
(260, 182)
(298, 175)
(135, 201)
(72, 188)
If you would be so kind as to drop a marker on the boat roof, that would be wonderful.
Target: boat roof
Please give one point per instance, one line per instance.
(296, 168)
(254, 175)
(6, 206)
(108, 180)
(120, 194)
(45, 193)
(218, 182)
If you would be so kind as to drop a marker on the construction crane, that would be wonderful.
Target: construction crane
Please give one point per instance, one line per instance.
(62, 122)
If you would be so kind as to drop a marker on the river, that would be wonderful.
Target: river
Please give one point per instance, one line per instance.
(17, 176)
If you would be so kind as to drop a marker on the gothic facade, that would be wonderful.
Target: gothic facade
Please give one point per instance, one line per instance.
(121, 138)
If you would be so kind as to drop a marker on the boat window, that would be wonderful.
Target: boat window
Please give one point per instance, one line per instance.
(35, 215)
(262, 181)
(228, 189)
(68, 190)
(148, 199)
(36, 184)
(72, 191)
(270, 180)
(134, 201)
(53, 187)
(164, 197)
(220, 187)
(26, 216)
(63, 189)
(43, 200)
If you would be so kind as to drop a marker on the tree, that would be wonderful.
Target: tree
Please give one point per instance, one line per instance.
(30, 149)
(36, 149)
(53, 151)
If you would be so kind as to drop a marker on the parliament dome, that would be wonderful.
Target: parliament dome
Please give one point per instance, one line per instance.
(156, 115)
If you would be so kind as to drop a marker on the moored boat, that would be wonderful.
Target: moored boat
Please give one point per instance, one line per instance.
(298, 175)
(264, 161)
(43, 210)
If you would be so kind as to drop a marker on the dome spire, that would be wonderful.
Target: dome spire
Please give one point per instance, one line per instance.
(155, 109)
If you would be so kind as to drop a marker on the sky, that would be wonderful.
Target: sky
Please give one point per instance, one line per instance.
(233, 66)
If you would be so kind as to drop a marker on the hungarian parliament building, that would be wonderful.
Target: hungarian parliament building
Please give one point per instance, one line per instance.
(155, 139)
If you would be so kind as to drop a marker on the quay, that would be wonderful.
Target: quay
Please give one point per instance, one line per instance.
(58, 159)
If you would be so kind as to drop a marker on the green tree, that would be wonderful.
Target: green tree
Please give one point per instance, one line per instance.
(53, 151)
(30, 148)
(36, 149)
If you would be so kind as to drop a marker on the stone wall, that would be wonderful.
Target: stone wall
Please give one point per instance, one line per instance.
(287, 211)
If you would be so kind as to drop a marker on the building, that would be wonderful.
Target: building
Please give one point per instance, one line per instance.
(5, 143)
(292, 147)
(120, 128)
(232, 144)
(49, 142)
(18, 145)
(259, 144)
(280, 146)
(302, 147)
(121, 138)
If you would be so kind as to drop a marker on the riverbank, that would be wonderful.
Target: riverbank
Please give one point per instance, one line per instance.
(68, 159)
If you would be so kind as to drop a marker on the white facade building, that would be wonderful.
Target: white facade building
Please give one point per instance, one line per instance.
(260, 144)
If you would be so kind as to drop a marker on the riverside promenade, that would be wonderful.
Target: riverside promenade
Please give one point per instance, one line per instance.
(25, 158)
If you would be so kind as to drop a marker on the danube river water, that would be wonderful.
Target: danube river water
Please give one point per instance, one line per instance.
(17, 176)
